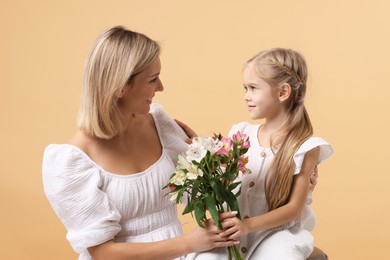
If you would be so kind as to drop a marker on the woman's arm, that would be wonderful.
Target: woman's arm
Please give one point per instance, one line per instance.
(313, 179)
(235, 227)
(200, 239)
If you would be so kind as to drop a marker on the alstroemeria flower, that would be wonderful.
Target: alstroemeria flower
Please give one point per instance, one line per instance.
(212, 144)
(194, 172)
(241, 164)
(227, 146)
(179, 178)
(196, 151)
(182, 163)
(240, 138)
(173, 198)
(246, 144)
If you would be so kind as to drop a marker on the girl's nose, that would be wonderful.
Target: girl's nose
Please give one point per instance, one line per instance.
(247, 96)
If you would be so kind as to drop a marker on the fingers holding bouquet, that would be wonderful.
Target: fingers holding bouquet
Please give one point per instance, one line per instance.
(204, 239)
(233, 227)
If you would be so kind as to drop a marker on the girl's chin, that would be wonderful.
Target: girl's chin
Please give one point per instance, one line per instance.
(254, 116)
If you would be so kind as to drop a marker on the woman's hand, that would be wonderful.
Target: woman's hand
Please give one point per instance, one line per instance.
(188, 130)
(313, 179)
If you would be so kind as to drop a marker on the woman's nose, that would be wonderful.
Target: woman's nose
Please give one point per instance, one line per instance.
(160, 86)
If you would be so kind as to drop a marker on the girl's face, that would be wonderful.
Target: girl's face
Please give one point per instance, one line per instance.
(138, 95)
(261, 98)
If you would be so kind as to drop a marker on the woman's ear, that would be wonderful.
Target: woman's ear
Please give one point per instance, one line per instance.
(120, 93)
(284, 92)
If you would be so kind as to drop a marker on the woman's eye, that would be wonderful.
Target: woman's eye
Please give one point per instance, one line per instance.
(153, 80)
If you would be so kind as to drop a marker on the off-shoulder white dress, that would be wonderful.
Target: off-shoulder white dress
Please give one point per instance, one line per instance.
(97, 206)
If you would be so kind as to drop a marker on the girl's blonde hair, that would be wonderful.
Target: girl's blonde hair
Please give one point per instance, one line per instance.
(279, 66)
(116, 57)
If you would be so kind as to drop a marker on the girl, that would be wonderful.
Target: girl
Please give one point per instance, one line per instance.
(276, 217)
(275, 198)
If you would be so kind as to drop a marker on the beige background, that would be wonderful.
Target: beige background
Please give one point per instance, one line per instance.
(346, 43)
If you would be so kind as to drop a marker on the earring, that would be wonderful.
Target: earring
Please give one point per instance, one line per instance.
(121, 93)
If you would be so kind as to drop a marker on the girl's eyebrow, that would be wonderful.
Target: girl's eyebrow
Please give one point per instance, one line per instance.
(249, 84)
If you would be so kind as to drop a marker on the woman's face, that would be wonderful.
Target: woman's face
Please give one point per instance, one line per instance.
(138, 95)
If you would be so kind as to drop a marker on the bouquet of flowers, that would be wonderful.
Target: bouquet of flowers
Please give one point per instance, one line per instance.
(206, 173)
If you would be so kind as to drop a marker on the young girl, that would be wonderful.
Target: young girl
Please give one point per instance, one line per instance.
(274, 201)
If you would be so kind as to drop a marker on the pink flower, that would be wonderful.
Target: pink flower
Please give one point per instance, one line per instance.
(227, 146)
(240, 138)
(246, 144)
(242, 161)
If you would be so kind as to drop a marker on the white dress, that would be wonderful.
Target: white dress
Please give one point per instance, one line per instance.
(291, 241)
(96, 205)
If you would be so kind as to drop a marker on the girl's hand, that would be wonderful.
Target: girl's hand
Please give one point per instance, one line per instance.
(204, 239)
(313, 179)
(233, 227)
(189, 132)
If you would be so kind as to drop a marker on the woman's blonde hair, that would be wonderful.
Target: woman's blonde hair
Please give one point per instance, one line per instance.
(279, 66)
(117, 55)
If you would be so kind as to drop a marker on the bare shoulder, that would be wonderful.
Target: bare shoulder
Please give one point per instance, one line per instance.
(83, 141)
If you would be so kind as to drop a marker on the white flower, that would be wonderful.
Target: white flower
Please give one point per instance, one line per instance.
(182, 163)
(194, 172)
(179, 178)
(197, 151)
(211, 144)
(174, 196)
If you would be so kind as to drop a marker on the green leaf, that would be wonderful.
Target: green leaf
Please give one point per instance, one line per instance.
(179, 195)
(231, 200)
(234, 185)
(200, 212)
(189, 208)
(210, 202)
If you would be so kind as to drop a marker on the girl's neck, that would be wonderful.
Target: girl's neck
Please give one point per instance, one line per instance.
(268, 130)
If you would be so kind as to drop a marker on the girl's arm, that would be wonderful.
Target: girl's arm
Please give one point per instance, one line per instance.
(235, 227)
(200, 239)
(188, 130)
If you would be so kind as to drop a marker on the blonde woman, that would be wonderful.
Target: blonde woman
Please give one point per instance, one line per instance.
(105, 185)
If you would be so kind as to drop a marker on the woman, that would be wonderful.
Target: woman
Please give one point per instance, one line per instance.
(105, 185)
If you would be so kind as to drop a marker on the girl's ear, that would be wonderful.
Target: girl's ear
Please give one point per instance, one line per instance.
(284, 92)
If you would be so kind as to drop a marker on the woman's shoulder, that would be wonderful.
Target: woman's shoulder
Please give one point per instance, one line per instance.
(68, 158)
(58, 155)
